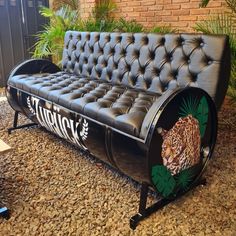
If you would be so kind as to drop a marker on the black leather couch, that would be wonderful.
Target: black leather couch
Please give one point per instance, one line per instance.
(144, 103)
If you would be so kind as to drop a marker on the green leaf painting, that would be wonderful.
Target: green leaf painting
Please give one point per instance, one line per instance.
(198, 110)
(189, 106)
(184, 178)
(202, 115)
(163, 180)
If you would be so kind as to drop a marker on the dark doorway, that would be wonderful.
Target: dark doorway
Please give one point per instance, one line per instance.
(19, 22)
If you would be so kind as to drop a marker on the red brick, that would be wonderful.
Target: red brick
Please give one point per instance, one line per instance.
(155, 8)
(202, 11)
(165, 2)
(170, 18)
(181, 12)
(192, 5)
(180, 1)
(134, 14)
(134, 3)
(179, 24)
(172, 7)
(164, 13)
(142, 9)
(214, 4)
(148, 3)
(187, 18)
(148, 14)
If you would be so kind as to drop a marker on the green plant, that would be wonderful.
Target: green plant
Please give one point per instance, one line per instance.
(224, 23)
(50, 40)
(92, 25)
(128, 26)
(73, 4)
(163, 30)
(103, 10)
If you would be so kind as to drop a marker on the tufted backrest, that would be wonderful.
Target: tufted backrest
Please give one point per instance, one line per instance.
(151, 62)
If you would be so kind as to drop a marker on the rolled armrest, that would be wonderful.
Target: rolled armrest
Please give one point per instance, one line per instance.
(35, 66)
(32, 66)
(147, 122)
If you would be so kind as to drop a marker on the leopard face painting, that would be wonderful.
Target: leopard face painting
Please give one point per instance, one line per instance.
(181, 144)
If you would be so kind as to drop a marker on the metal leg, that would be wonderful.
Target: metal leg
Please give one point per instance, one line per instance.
(5, 213)
(145, 212)
(15, 126)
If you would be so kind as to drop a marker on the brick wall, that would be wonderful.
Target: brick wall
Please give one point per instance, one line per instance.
(86, 7)
(181, 14)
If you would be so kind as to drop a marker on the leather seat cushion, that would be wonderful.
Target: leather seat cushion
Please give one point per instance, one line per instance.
(117, 106)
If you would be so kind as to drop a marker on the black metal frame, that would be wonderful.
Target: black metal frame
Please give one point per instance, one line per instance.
(145, 211)
(16, 126)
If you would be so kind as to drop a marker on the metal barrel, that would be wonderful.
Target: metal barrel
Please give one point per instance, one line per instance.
(172, 156)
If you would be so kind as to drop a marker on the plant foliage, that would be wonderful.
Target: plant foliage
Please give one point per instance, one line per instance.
(128, 26)
(73, 4)
(103, 10)
(163, 30)
(224, 23)
(50, 40)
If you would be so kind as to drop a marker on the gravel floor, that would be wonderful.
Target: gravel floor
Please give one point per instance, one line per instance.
(52, 190)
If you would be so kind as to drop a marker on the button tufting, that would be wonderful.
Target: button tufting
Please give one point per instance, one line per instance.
(156, 71)
(163, 40)
(145, 40)
(152, 55)
(119, 39)
(142, 70)
(132, 39)
(112, 51)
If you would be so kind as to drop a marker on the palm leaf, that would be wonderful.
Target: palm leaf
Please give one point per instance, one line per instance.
(163, 180)
(204, 3)
(186, 177)
(188, 106)
(224, 24)
(163, 30)
(202, 115)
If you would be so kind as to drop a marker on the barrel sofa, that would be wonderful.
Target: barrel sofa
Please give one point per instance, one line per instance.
(146, 104)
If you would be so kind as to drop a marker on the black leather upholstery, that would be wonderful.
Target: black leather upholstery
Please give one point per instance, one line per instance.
(151, 62)
(117, 106)
(120, 79)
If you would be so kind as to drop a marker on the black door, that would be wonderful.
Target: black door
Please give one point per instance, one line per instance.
(19, 22)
